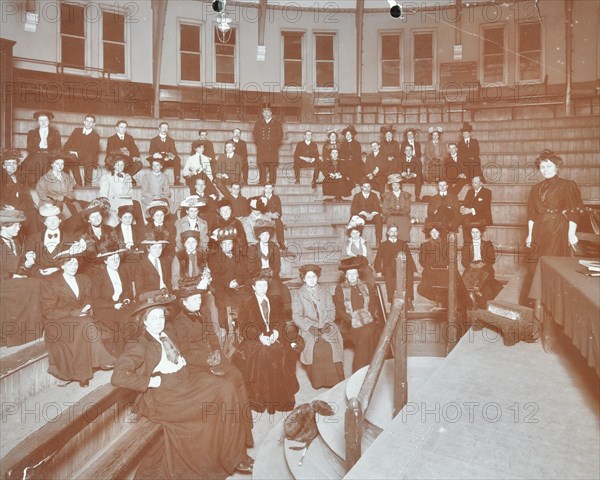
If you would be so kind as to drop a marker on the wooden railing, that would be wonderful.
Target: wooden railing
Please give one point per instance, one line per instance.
(395, 328)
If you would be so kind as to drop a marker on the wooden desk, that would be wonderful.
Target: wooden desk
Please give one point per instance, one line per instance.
(569, 301)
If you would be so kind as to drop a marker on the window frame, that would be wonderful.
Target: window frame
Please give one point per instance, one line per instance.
(302, 86)
(401, 60)
(236, 72)
(504, 81)
(434, 79)
(126, 44)
(518, 55)
(335, 61)
(86, 44)
(195, 23)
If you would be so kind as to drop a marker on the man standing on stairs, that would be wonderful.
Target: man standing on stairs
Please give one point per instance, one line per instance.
(163, 147)
(84, 145)
(273, 211)
(121, 143)
(268, 134)
(241, 149)
(306, 155)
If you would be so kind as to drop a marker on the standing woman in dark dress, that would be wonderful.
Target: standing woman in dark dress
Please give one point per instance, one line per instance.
(332, 143)
(337, 182)
(554, 209)
(197, 410)
(41, 142)
(351, 151)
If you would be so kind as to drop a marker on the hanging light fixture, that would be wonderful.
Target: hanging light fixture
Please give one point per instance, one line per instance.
(223, 27)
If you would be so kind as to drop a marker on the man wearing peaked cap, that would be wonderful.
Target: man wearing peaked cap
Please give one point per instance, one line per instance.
(41, 141)
(268, 134)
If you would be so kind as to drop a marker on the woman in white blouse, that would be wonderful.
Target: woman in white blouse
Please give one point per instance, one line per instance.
(117, 187)
(198, 165)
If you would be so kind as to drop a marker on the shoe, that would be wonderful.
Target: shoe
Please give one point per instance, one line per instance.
(245, 466)
(63, 383)
(84, 383)
(109, 366)
(313, 185)
(134, 182)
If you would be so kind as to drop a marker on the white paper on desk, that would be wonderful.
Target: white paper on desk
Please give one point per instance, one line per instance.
(591, 265)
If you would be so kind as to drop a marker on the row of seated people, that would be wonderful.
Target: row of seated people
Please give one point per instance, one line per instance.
(344, 162)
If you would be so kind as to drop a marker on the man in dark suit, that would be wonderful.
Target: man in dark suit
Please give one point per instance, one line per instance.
(458, 170)
(273, 211)
(268, 134)
(468, 148)
(241, 148)
(409, 139)
(306, 155)
(121, 143)
(41, 143)
(385, 263)
(476, 207)
(366, 205)
(163, 146)
(228, 168)
(239, 204)
(444, 208)
(209, 148)
(153, 270)
(84, 145)
(411, 170)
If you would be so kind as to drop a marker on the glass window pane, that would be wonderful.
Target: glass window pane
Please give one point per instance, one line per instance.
(530, 37)
(530, 67)
(292, 47)
(423, 45)
(324, 47)
(225, 70)
(114, 57)
(292, 74)
(494, 41)
(493, 69)
(113, 27)
(190, 67)
(325, 75)
(390, 74)
(423, 72)
(390, 47)
(190, 38)
(73, 52)
(72, 20)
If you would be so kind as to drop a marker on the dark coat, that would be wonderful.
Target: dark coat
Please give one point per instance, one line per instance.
(444, 209)
(482, 203)
(417, 151)
(470, 167)
(232, 167)
(303, 150)
(115, 143)
(44, 258)
(34, 139)
(268, 137)
(146, 277)
(471, 152)
(253, 259)
(241, 149)
(168, 146)
(369, 204)
(86, 146)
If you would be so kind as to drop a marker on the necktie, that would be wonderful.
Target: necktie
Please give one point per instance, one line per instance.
(120, 175)
(157, 265)
(264, 306)
(13, 178)
(52, 235)
(170, 349)
(122, 137)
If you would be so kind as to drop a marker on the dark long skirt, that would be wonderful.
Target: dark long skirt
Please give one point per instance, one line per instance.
(324, 372)
(75, 348)
(365, 341)
(20, 320)
(204, 437)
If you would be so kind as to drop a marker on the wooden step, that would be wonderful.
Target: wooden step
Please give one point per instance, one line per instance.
(270, 462)
(318, 463)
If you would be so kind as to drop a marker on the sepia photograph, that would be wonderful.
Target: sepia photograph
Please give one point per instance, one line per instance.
(299, 239)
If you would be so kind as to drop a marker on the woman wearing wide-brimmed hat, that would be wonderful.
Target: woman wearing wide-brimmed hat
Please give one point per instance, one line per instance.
(42, 141)
(153, 270)
(20, 320)
(196, 443)
(357, 312)
(112, 295)
(337, 182)
(390, 148)
(358, 246)
(73, 339)
(190, 220)
(396, 207)
(314, 313)
(162, 222)
(13, 190)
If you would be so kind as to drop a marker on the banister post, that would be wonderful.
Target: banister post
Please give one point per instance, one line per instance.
(353, 422)
(452, 290)
(400, 346)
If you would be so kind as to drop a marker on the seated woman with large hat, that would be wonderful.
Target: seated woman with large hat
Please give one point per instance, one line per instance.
(198, 411)
(357, 312)
(73, 339)
(313, 311)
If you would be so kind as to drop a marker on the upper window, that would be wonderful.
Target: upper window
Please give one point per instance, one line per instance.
(113, 41)
(391, 61)
(530, 52)
(225, 56)
(292, 59)
(189, 52)
(72, 35)
(423, 59)
(324, 61)
(494, 57)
